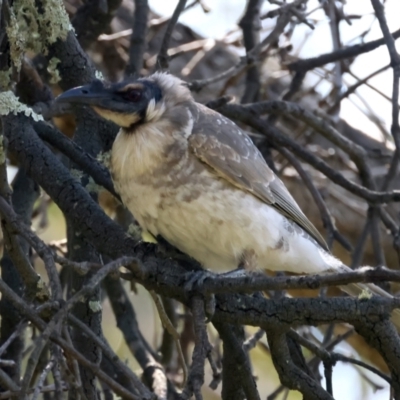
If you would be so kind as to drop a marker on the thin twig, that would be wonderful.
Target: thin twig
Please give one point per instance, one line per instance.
(358, 252)
(351, 89)
(326, 217)
(75, 377)
(40, 382)
(333, 357)
(202, 348)
(252, 56)
(41, 248)
(45, 389)
(167, 324)
(16, 333)
(373, 215)
(30, 314)
(107, 351)
(252, 341)
(41, 341)
(162, 59)
(342, 54)
(395, 64)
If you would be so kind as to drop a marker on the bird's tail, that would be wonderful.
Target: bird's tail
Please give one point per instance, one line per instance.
(359, 289)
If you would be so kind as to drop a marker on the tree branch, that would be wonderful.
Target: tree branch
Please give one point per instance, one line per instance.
(162, 58)
(138, 38)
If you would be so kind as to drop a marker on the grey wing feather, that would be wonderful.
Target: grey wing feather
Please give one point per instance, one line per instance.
(287, 205)
(221, 144)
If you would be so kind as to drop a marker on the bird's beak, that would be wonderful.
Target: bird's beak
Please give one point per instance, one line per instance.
(94, 94)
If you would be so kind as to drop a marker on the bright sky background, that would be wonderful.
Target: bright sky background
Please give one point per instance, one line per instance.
(225, 14)
(223, 18)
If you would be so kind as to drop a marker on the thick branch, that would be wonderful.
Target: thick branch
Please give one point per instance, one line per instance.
(251, 25)
(88, 163)
(290, 375)
(138, 38)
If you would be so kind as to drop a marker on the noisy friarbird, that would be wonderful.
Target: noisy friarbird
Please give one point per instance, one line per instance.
(194, 177)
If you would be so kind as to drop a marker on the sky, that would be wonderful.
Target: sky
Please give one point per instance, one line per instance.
(223, 18)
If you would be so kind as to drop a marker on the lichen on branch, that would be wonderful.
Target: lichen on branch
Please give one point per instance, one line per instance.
(9, 103)
(34, 30)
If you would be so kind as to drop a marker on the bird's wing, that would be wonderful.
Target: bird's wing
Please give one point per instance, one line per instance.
(230, 152)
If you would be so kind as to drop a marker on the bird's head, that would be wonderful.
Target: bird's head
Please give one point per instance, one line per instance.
(130, 102)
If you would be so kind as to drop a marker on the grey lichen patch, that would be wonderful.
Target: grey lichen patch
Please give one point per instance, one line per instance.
(95, 306)
(104, 158)
(53, 71)
(99, 75)
(9, 103)
(76, 173)
(23, 30)
(30, 30)
(42, 291)
(5, 79)
(54, 21)
(135, 231)
(365, 295)
(92, 186)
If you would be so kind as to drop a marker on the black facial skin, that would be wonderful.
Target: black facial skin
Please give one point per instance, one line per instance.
(115, 97)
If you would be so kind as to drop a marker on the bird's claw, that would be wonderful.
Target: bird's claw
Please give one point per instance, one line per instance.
(196, 280)
(194, 283)
(236, 273)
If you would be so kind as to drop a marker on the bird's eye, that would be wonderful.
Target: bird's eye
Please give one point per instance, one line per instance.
(133, 95)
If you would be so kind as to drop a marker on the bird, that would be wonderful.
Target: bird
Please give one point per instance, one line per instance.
(195, 178)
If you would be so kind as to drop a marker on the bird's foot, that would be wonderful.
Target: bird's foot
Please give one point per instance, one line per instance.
(194, 283)
(236, 273)
(196, 280)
